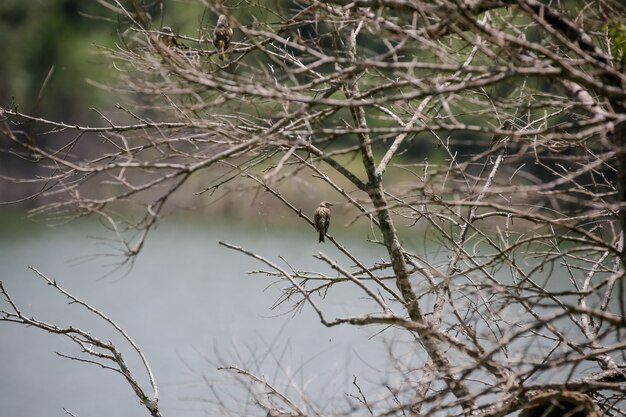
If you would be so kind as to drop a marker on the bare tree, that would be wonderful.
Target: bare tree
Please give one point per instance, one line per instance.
(103, 353)
(319, 85)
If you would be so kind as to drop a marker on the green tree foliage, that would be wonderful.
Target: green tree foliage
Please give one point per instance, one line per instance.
(49, 54)
(617, 34)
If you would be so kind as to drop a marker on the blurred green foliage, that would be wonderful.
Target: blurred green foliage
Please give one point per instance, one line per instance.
(617, 35)
(54, 40)
(57, 40)
(51, 50)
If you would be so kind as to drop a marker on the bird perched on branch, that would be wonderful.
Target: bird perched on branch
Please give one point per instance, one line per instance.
(221, 35)
(167, 37)
(498, 138)
(322, 219)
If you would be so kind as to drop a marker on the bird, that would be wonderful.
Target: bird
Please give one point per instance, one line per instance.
(167, 37)
(498, 138)
(221, 35)
(322, 219)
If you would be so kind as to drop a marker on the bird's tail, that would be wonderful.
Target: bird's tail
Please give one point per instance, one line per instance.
(220, 50)
(321, 235)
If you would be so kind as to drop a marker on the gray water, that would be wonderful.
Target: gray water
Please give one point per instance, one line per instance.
(190, 305)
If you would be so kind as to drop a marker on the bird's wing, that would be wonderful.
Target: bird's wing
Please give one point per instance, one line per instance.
(327, 218)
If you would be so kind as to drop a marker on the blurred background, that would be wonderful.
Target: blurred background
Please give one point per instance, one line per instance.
(188, 302)
(191, 306)
(50, 53)
(55, 67)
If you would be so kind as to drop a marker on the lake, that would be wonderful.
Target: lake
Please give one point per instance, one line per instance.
(190, 305)
(193, 306)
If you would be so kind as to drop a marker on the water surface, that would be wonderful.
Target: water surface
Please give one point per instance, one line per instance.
(191, 306)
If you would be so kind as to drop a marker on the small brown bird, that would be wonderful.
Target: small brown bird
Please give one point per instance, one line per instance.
(221, 35)
(167, 37)
(497, 138)
(322, 219)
